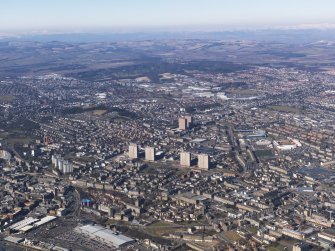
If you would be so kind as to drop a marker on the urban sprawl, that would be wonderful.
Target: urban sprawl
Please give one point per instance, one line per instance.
(180, 164)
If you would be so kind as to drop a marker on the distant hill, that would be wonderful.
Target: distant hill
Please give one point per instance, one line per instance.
(279, 35)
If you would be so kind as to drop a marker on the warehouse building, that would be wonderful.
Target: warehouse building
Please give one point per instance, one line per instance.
(104, 235)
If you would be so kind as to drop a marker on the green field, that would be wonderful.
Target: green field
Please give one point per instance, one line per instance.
(72, 157)
(6, 98)
(252, 229)
(3, 135)
(285, 108)
(276, 248)
(242, 91)
(20, 140)
(232, 236)
(16, 137)
(161, 228)
(283, 244)
(117, 222)
(161, 224)
(99, 112)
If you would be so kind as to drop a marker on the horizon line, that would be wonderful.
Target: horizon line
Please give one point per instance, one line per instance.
(161, 29)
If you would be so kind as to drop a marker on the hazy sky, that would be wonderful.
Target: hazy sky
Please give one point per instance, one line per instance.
(123, 15)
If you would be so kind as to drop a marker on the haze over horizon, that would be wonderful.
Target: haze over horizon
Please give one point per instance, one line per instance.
(37, 16)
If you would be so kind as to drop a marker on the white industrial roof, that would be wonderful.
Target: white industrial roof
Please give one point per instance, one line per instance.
(44, 220)
(17, 226)
(13, 239)
(26, 228)
(105, 235)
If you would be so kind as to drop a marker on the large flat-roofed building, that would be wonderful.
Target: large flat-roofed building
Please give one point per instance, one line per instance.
(293, 234)
(18, 225)
(328, 234)
(133, 151)
(30, 223)
(150, 153)
(185, 159)
(105, 236)
(203, 161)
(14, 239)
(45, 220)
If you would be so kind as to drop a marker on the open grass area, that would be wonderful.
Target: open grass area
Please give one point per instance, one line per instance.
(232, 236)
(182, 171)
(143, 79)
(242, 91)
(284, 108)
(201, 222)
(7, 98)
(276, 247)
(149, 170)
(161, 228)
(161, 224)
(20, 140)
(284, 244)
(15, 137)
(80, 159)
(252, 229)
(99, 112)
(121, 118)
(273, 248)
(3, 135)
(117, 222)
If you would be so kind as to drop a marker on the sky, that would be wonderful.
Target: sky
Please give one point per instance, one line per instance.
(144, 15)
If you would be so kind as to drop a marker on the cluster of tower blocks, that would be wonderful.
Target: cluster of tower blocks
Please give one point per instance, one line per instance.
(184, 124)
(185, 157)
